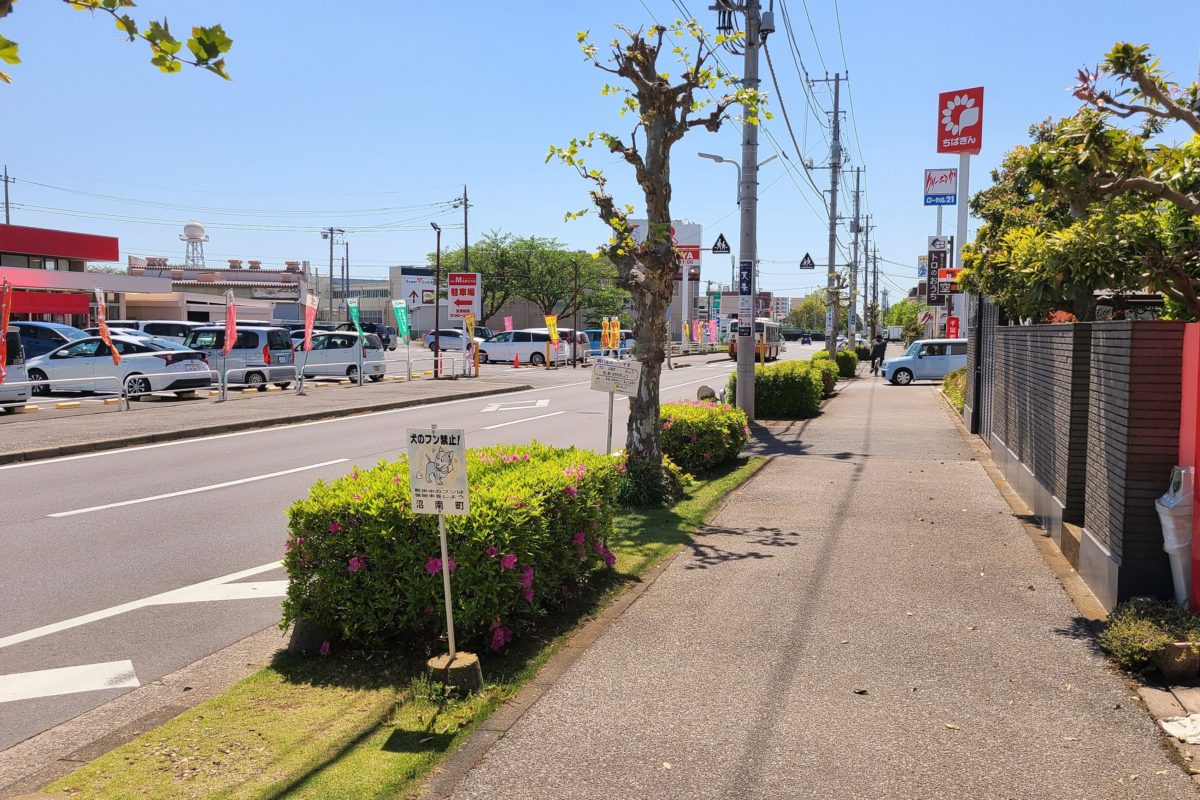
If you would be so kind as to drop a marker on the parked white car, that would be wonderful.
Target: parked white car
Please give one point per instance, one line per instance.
(529, 344)
(335, 355)
(173, 329)
(13, 395)
(145, 367)
(448, 339)
(260, 355)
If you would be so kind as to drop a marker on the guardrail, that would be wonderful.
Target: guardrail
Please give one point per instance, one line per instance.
(118, 388)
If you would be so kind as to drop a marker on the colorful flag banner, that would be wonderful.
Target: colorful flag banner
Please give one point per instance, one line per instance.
(105, 336)
(352, 306)
(508, 326)
(552, 326)
(230, 323)
(310, 318)
(696, 332)
(400, 311)
(712, 331)
(5, 309)
(469, 324)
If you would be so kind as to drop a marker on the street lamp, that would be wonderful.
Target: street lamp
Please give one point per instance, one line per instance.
(437, 306)
(723, 160)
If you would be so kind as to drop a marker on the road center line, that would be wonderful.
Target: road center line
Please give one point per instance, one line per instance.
(527, 419)
(196, 490)
(196, 592)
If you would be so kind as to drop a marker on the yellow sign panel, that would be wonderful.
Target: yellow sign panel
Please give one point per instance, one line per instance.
(552, 326)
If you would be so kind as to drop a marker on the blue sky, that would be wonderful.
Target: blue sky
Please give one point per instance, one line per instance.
(371, 116)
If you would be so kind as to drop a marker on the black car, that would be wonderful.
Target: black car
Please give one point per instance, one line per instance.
(382, 331)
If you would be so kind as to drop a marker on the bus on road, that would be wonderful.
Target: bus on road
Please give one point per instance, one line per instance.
(768, 339)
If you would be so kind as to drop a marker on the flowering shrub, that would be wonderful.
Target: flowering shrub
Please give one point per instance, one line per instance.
(788, 390)
(362, 564)
(701, 435)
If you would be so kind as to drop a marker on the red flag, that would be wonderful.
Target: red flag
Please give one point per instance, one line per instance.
(267, 353)
(230, 323)
(105, 336)
(310, 317)
(5, 308)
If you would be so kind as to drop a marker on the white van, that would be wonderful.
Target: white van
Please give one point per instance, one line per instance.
(529, 344)
(172, 329)
(260, 355)
(14, 362)
(334, 354)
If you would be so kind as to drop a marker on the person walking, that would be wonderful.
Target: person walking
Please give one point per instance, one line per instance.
(878, 348)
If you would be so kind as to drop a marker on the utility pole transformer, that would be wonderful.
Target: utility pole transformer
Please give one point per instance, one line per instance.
(835, 168)
(748, 196)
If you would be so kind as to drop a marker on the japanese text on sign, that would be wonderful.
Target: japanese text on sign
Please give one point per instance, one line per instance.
(437, 471)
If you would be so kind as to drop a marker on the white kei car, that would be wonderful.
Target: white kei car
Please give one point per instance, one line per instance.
(146, 366)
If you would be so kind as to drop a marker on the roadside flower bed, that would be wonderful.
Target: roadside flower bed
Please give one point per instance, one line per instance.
(360, 563)
(788, 390)
(700, 435)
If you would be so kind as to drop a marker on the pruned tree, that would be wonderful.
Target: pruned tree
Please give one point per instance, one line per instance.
(207, 45)
(666, 110)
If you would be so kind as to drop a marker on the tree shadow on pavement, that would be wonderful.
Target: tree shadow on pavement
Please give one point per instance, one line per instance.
(706, 554)
(777, 438)
(1084, 630)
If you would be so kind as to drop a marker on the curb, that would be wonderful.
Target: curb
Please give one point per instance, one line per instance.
(41, 453)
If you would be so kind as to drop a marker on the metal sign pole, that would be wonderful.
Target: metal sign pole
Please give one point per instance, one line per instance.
(362, 342)
(446, 582)
(612, 392)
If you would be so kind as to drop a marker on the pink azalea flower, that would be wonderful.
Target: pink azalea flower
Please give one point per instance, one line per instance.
(397, 479)
(287, 546)
(525, 456)
(325, 647)
(580, 536)
(527, 593)
(354, 475)
(508, 561)
(598, 547)
(335, 527)
(609, 558)
(358, 497)
(571, 491)
(450, 565)
(501, 636)
(434, 565)
(527, 578)
(491, 551)
(357, 563)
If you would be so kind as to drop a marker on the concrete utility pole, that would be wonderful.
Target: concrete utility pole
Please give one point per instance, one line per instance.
(749, 222)
(850, 318)
(331, 234)
(866, 268)
(875, 294)
(466, 245)
(7, 181)
(835, 168)
(437, 305)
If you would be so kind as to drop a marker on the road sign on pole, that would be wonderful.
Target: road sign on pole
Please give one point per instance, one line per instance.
(807, 262)
(465, 294)
(613, 375)
(721, 247)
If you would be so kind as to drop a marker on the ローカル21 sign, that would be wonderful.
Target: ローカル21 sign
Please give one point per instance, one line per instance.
(960, 121)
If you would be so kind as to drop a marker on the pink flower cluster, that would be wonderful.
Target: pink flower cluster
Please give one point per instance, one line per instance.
(527, 584)
(570, 491)
(434, 565)
(335, 527)
(357, 563)
(508, 561)
(501, 636)
(576, 473)
(513, 458)
(604, 552)
(293, 544)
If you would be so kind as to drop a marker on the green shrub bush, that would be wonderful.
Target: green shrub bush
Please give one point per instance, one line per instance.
(788, 390)
(822, 355)
(646, 488)
(954, 386)
(829, 374)
(362, 564)
(699, 435)
(862, 352)
(847, 361)
(1137, 629)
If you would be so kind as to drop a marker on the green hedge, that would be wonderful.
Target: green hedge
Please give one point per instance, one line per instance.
(362, 565)
(954, 386)
(700, 436)
(788, 390)
(847, 361)
(829, 374)
(862, 352)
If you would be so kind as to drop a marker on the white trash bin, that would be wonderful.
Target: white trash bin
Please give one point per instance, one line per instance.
(1175, 513)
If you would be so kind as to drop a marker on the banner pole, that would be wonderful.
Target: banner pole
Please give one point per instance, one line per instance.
(611, 394)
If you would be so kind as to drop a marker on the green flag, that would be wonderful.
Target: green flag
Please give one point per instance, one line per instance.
(352, 304)
(400, 309)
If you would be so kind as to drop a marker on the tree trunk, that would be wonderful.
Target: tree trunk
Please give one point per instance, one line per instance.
(651, 300)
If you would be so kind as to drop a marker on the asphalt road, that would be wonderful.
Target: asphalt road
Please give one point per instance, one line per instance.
(124, 566)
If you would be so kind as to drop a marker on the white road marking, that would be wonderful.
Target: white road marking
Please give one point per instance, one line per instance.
(224, 591)
(520, 405)
(198, 592)
(67, 680)
(196, 490)
(527, 419)
(257, 431)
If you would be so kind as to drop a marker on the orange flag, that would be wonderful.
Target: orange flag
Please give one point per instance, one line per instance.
(104, 334)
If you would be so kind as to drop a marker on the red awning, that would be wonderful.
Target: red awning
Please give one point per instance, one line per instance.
(50, 302)
(57, 244)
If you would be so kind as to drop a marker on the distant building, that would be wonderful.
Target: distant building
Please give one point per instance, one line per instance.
(780, 308)
(374, 299)
(271, 294)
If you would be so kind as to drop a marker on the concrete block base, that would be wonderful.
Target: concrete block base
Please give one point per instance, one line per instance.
(68, 404)
(463, 673)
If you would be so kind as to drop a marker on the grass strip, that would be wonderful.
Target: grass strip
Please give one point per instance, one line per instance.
(365, 725)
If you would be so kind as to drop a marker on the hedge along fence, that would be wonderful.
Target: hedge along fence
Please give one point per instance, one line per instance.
(361, 564)
(700, 436)
(790, 390)
(847, 361)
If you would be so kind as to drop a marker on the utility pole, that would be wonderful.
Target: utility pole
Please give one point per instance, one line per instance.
(748, 246)
(866, 251)
(835, 168)
(466, 246)
(7, 181)
(437, 306)
(851, 325)
(875, 294)
(346, 276)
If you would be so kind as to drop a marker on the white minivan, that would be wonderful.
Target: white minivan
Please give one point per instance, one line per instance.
(260, 355)
(334, 354)
(13, 396)
(531, 345)
(172, 329)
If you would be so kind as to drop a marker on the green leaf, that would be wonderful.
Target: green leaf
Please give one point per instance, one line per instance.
(8, 52)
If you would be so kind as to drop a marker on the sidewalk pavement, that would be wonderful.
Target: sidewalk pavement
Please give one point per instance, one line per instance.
(864, 619)
(25, 437)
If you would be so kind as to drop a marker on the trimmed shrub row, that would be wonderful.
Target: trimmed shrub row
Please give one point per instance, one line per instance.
(847, 361)
(862, 352)
(700, 436)
(829, 374)
(954, 386)
(362, 564)
(789, 390)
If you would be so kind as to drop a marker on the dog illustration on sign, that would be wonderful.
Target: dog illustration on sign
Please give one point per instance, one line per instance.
(438, 465)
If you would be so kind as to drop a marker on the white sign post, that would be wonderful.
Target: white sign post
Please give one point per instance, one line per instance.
(613, 375)
(437, 474)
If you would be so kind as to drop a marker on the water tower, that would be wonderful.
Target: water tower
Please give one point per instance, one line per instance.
(195, 237)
